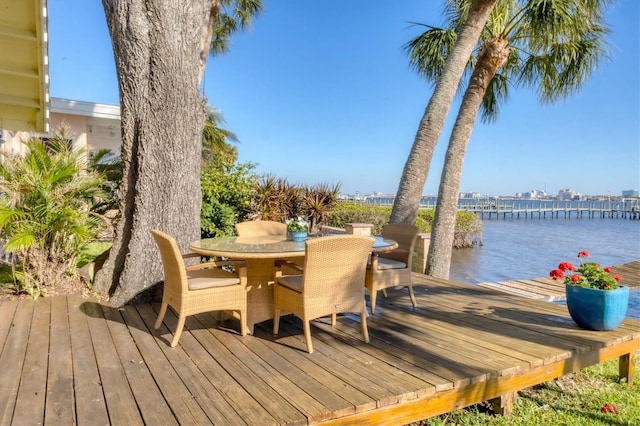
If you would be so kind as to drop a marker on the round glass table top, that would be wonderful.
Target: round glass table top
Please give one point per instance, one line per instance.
(264, 246)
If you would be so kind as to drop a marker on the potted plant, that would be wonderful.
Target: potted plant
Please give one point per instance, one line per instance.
(595, 299)
(297, 229)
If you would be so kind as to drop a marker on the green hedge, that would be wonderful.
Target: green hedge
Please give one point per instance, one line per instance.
(468, 225)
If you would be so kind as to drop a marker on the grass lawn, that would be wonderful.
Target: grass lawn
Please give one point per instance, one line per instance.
(593, 396)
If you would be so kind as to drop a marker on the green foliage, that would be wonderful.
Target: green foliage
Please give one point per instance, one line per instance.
(359, 213)
(227, 194)
(105, 162)
(217, 152)
(468, 225)
(554, 47)
(278, 200)
(577, 399)
(230, 15)
(45, 210)
(588, 274)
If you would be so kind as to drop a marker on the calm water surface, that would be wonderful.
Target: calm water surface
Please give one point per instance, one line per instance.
(529, 248)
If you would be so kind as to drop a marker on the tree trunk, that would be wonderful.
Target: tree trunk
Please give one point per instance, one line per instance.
(492, 56)
(414, 175)
(159, 48)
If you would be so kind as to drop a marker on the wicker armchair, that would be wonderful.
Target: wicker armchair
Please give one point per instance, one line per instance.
(199, 288)
(331, 282)
(392, 268)
(261, 228)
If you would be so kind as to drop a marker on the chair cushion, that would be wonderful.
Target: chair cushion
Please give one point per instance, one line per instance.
(293, 282)
(384, 263)
(207, 278)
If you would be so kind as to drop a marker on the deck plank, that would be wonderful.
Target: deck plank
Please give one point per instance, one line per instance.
(234, 394)
(339, 385)
(91, 407)
(60, 374)
(461, 345)
(313, 410)
(30, 403)
(7, 311)
(121, 404)
(193, 378)
(277, 406)
(146, 389)
(13, 355)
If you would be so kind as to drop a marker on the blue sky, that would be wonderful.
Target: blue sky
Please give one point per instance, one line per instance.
(320, 91)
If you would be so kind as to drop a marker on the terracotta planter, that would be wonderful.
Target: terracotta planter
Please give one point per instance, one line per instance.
(596, 309)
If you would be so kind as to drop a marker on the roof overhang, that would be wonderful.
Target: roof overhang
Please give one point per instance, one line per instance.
(24, 65)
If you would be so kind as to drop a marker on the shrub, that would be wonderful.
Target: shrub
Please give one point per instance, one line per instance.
(278, 200)
(45, 211)
(227, 194)
(468, 225)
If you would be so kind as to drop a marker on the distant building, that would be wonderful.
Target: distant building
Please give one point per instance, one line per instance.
(94, 126)
(630, 193)
(469, 195)
(569, 194)
(535, 194)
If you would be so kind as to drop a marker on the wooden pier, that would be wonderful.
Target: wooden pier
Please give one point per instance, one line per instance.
(552, 209)
(550, 290)
(69, 360)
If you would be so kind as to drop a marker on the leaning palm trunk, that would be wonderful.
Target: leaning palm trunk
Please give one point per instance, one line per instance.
(414, 175)
(492, 56)
(160, 48)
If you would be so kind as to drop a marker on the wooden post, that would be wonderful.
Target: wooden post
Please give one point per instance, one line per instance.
(627, 367)
(358, 228)
(503, 404)
(420, 251)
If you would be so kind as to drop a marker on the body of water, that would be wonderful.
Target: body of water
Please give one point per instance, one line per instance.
(529, 248)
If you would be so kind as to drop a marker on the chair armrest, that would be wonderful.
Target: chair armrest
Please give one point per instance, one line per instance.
(217, 264)
(373, 263)
(280, 263)
(190, 255)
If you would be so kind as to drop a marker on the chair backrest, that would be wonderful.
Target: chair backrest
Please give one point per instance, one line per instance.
(261, 228)
(335, 266)
(405, 235)
(175, 275)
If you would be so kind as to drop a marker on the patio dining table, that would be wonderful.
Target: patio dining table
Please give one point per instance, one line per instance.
(260, 254)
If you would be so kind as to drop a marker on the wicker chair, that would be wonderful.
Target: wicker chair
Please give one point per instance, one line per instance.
(203, 287)
(392, 268)
(261, 228)
(330, 283)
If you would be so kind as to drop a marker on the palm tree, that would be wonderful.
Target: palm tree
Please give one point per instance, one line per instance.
(450, 60)
(550, 45)
(216, 150)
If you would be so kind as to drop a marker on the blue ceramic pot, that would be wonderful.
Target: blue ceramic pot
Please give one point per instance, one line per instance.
(596, 309)
(297, 235)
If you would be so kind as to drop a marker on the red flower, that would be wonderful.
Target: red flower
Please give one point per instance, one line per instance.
(566, 266)
(616, 277)
(575, 278)
(583, 253)
(556, 274)
(607, 270)
(609, 408)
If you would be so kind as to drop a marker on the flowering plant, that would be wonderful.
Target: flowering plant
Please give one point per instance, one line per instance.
(297, 225)
(588, 274)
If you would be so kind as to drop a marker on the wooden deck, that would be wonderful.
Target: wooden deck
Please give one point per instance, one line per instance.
(69, 360)
(550, 290)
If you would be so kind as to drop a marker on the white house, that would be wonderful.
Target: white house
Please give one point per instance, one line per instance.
(94, 126)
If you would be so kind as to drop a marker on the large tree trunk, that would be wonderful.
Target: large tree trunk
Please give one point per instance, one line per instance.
(414, 175)
(491, 57)
(159, 48)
